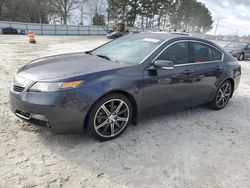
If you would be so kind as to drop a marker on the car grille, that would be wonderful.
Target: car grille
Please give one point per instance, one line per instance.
(20, 83)
(18, 88)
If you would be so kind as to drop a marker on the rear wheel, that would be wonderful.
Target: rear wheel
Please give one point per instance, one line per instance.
(222, 96)
(241, 57)
(110, 117)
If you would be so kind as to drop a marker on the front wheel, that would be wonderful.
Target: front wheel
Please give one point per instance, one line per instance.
(241, 57)
(222, 96)
(110, 117)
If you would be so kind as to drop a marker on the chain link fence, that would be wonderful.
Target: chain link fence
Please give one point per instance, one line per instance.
(49, 29)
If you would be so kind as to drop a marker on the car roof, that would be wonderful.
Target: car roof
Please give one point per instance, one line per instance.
(157, 35)
(165, 36)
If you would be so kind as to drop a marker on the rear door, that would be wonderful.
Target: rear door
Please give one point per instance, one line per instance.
(207, 62)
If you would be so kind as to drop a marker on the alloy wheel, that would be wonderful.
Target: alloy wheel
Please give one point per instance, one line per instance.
(111, 118)
(223, 95)
(241, 57)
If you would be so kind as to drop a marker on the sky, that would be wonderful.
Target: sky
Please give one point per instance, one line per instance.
(233, 16)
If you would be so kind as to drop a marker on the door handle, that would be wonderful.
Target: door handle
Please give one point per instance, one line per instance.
(218, 68)
(188, 72)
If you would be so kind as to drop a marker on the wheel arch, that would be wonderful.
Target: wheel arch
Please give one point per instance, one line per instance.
(231, 80)
(125, 93)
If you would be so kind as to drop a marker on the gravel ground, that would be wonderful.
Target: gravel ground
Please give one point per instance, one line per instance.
(195, 147)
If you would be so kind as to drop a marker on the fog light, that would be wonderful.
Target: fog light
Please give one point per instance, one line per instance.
(39, 117)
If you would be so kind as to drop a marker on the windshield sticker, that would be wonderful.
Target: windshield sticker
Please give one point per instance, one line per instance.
(150, 40)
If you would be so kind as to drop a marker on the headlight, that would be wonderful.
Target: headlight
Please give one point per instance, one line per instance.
(48, 87)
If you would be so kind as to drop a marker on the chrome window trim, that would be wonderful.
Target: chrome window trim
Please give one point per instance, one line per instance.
(201, 63)
(190, 40)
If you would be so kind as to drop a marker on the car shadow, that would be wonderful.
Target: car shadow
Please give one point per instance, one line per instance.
(157, 137)
(247, 59)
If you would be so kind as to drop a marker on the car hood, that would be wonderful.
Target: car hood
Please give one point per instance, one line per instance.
(232, 49)
(66, 66)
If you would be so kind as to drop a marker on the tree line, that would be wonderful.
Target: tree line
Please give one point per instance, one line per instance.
(38, 11)
(188, 15)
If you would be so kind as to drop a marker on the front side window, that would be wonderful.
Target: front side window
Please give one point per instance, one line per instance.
(178, 53)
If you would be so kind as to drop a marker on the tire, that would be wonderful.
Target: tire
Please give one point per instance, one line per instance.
(241, 57)
(109, 117)
(222, 96)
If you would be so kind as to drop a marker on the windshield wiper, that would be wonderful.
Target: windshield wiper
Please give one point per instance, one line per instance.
(88, 52)
(108, 58)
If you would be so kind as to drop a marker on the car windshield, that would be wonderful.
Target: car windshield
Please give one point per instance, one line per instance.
(236, 45)
(128, 49)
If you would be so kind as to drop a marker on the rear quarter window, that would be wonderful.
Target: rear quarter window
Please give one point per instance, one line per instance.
(217, 55)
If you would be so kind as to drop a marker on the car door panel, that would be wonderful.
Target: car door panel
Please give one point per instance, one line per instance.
(206, 77)
(169, 89)
(208, 70)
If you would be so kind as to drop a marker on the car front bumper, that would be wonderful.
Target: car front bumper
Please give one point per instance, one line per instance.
(57, 111)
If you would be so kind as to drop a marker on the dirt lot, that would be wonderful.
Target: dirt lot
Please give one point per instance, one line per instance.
(196, 147)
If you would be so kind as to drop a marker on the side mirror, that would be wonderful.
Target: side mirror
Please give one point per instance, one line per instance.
(163, 64)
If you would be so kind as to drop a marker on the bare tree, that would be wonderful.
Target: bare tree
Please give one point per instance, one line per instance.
(65, 7)
(95, 8)
(35, 11)
(82, 10)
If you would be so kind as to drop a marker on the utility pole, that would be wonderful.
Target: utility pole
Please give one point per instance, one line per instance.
(216, 27)
(236, 34)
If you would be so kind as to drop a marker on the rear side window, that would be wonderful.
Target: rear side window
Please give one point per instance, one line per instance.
(203, 53)
(178, 53)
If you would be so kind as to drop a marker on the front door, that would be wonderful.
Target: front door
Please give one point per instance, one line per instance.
(169, 89)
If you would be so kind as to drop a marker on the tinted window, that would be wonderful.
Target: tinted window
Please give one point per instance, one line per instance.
(202, 52)
(178, 53)
(217, 55)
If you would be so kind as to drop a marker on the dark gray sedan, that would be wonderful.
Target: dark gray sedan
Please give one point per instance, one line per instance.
(114, 35)
(106, 89)
(239, 50)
